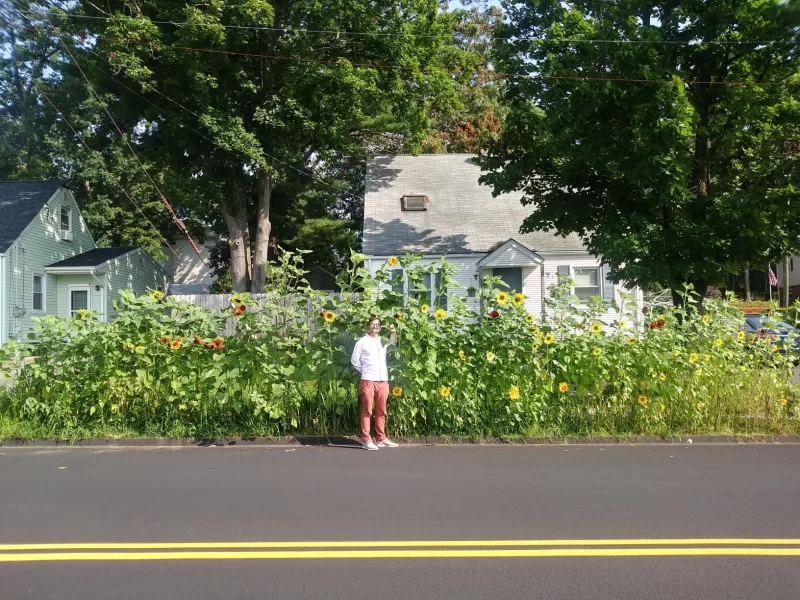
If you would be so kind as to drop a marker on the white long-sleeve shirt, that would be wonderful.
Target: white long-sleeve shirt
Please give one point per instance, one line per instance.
(369, 358)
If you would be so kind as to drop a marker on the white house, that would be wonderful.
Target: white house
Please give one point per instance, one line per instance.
(434, 205)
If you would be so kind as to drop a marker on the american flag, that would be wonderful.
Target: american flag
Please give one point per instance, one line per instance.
(773, 281)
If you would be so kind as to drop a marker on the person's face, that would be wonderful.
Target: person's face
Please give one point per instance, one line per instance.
(375, 326)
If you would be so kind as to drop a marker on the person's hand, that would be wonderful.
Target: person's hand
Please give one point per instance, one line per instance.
(391, 329)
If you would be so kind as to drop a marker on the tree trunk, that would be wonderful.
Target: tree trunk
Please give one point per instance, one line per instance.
(235, 213)
(263, 229)
(747, 295)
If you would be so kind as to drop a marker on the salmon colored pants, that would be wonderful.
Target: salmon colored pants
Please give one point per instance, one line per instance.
(373, 392)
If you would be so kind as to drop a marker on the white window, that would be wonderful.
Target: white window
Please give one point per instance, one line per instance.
(78, 299)
(587, 282)
(38, 293)
(66, 218)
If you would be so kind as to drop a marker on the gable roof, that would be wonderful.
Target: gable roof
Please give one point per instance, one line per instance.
(461, 215)
(91, 258)
(511, 254)
(20, 202)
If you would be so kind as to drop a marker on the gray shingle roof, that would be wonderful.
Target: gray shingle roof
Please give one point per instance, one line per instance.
(20, 202)
(93, 258)
(462, 216)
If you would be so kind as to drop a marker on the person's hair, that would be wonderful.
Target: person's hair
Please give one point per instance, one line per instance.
(371, 319)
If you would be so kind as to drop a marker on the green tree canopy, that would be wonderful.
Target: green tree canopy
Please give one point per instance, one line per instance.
(664, 133)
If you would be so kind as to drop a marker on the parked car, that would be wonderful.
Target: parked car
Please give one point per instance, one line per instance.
(779, 332)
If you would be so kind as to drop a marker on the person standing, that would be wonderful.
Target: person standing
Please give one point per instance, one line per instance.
(369, 359)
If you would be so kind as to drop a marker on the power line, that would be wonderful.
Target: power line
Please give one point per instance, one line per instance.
(491, 75)
(114, 179)
(181, 226)
(455, 36)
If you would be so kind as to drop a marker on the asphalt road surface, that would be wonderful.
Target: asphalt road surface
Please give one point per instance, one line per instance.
(572, 523)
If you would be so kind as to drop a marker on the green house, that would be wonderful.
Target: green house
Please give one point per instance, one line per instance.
(50, 264)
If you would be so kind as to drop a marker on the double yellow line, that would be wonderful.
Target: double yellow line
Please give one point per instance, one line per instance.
(144, 551)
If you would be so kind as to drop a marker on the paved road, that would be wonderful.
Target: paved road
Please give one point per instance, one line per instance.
(448, 495)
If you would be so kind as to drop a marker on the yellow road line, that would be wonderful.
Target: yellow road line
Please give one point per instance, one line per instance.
(372, 554)
(399, 544)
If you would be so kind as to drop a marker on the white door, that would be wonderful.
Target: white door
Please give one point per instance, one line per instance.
(79, 298)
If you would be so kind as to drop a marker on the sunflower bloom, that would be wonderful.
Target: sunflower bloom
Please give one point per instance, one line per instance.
(424, 308)
(784, 402)
(513, 393)
(179, 339)
(563, 387)
(156, 296)
(518, 300)
(139, 349)
(236, 300)
(461, 355)
(490, 356)
(164, 340)
(676, 354)
(707, 357)
(440, 314)
(632, 341)
(535, 347)
(740, 335)
(83, 313)
(197, 341)
(549, 339)
(718, 342)
(329, 316)
(597, 328)
(699, 406)
(397, 391)
(393, 262)
(663, 377)
(622, 324)
(399, 316)
(597, 352)
(706, 319)
(218, 343)
(693, 358)
(239, 310)
(315, 420)
(175, 345)
(444, 392)
(502, 298)
(698, 373)
(529, 318)
(642, 400)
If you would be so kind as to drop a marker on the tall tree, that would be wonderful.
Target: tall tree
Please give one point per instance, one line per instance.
(660, 132)
(261, 96)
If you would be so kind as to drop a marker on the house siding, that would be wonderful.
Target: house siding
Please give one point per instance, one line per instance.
(537, 280)
(135, 271)
(40, 245)
(63, 288)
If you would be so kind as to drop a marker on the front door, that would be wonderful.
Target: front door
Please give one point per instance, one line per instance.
(79, 299)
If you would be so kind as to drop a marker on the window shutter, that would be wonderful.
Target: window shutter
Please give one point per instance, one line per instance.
(563, 272)
(608, 285)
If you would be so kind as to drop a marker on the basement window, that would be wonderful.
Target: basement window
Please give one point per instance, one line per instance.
(414, 203)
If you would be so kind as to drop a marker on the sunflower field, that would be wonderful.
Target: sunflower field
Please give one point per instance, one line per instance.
(165, 367)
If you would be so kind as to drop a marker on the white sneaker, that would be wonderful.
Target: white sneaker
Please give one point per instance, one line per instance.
(370, 445)
(387, 443)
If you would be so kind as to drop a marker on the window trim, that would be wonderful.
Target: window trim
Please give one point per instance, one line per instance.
(69, 218)
(78, 288)
(599, 270)
(43, 277)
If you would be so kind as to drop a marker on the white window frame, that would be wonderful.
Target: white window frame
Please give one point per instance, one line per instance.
(61, 218)
(599, 285)
(78, 288)
(43, 292)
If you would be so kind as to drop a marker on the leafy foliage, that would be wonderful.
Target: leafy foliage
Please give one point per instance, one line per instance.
(162, 366)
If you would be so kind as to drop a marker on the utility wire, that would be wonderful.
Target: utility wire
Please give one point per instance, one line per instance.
(455, 36)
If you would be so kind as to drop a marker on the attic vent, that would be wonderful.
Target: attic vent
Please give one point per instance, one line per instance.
(414, 203)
